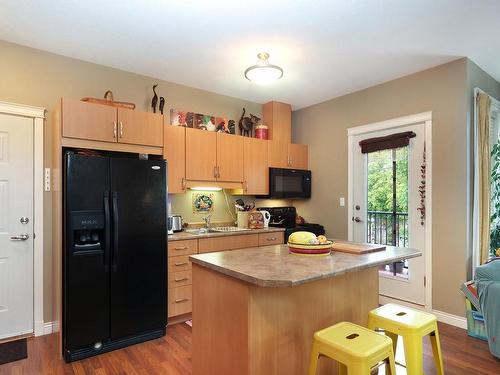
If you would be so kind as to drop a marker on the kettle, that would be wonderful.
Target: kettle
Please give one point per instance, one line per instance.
(174, 223)
(267, 217)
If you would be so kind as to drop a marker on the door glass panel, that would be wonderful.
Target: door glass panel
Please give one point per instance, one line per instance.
(387, 208)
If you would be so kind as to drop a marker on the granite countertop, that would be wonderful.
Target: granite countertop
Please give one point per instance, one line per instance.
(192, 236)
(274, 266)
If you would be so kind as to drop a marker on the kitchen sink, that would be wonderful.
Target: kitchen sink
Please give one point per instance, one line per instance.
(196, 231)
(228, 229)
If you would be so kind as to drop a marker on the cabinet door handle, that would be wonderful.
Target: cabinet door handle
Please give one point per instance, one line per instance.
(181, 280)
(215, 171)
(181, 264)
(271, 238)
(181, 248)
(183, 183)
(181, 300)
(114, 129)
(121, 129)
(218, 171)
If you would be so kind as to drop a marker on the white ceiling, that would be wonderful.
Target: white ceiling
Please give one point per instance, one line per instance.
(327, 48)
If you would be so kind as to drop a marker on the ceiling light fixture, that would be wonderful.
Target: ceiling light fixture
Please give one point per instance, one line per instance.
(263, 73)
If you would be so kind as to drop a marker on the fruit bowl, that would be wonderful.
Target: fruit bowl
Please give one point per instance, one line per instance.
(310, 249)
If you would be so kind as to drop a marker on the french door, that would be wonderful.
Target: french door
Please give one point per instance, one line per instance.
(388, 195)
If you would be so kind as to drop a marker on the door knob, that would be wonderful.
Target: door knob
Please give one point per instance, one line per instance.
(20, 237)
(356, 219)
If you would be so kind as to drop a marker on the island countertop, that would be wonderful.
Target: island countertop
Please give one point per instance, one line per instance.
(274, 266)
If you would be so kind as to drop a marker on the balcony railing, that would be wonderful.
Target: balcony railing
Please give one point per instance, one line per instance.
(380, 229)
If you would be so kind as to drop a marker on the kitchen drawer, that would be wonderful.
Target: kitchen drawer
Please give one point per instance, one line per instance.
(179, 263)
(180, 300)
(274, 238)
(185, 247)
(207, 245)
(181, 278)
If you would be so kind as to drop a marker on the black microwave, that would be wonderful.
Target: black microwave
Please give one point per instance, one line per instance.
(289, 183)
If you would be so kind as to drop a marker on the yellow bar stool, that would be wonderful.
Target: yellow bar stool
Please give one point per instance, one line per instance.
(356, 349)
(412, 325)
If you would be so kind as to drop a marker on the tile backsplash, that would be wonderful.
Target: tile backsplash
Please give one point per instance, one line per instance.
(182, 204)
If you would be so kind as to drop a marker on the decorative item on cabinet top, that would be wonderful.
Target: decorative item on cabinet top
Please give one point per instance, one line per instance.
(247, 124)
(200, 121)
(109, 100)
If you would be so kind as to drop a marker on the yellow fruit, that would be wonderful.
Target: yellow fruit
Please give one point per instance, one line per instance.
(322, 239)
(302, 238)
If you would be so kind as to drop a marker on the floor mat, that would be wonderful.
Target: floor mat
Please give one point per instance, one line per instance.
(13, 351)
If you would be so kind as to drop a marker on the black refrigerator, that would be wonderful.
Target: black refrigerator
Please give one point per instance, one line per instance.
(114, 252)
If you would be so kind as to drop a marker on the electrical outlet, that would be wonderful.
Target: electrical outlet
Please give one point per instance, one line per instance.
(342, 201)
(47, 179)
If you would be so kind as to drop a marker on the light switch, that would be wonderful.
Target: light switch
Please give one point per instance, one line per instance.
(342, 201)
(47, 179)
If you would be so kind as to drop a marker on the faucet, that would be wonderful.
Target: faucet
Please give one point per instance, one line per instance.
(207, 221)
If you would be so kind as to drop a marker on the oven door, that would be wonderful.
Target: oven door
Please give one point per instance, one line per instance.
(289, 183)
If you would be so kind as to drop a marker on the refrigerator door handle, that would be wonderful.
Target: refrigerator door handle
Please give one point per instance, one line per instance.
(115, 232)
(107, 231)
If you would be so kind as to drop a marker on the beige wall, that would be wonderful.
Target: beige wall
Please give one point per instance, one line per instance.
(441, 90)
(38, 78)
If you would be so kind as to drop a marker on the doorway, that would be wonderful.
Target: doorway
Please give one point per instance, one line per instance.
(389, 202)
(21, 221)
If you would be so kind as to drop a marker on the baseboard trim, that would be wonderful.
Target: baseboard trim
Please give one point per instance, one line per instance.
(49, 328)
(453, 320)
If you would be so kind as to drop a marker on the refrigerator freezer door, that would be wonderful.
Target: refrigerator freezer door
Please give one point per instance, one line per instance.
(139, 251)
(86, 277)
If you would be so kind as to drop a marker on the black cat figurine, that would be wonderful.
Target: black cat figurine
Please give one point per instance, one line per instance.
(162, 104)
(246, 124)
(154, 101)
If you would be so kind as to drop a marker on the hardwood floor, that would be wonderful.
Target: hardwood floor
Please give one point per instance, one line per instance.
(172, 355)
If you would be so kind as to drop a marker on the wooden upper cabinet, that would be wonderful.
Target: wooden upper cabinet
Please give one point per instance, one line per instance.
(201, 155)
(140, 128)
(278, 117)
(174, 151)
(255, 166)
(229, 158)
(297, 155)
(88, 121)
(278, 154)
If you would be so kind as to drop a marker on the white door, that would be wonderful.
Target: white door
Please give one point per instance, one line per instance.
(386, 202)
(16, 225)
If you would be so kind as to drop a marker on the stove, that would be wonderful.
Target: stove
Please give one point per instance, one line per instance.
(284, 217)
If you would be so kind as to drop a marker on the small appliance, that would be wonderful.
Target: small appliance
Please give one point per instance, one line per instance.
(289, 183)
(174, 223)
(284, 217)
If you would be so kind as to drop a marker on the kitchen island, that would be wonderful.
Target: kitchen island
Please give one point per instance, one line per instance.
(255, 310)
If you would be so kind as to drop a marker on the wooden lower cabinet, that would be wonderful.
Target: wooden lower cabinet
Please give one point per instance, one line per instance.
(180, 268)
(186, 247)
(179, 263)
(180, 278)
(180, 300)
(208, 245)
(275, 238)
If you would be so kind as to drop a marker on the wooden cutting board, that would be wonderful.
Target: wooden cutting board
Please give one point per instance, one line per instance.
(356, 247)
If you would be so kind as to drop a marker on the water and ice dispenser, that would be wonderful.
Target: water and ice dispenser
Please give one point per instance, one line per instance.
(88, 231)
